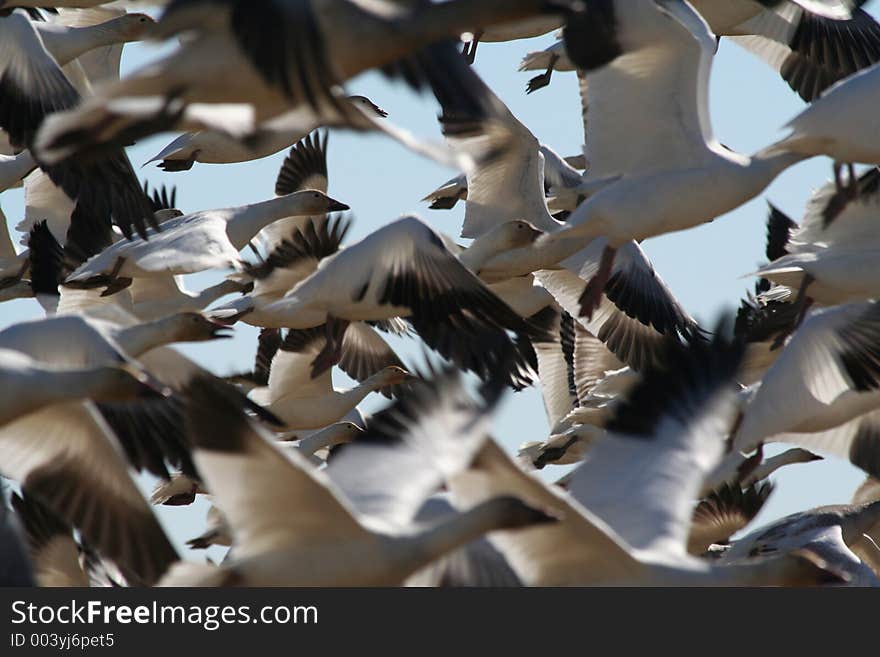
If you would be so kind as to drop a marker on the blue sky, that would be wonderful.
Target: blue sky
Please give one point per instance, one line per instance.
(380, 181)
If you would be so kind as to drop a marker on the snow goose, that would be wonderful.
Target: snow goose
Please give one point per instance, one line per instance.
(638, 310)
(839, 124)
(294, 72)
(826, 531)
(680, 52)
(66, 43)
(255, 483)
(476, 564)
(827, 373)
(637, 317)
(53, 549)
(150, 431)
(559, 176)
(294, 259)
(724, 513)
(214, 147)
(628, 515)
(157, 297)
(405, 270)
(305, 167)
(34, 86)
(304, 401)
(195, 242)
(66, 456)
(811, 45)
(38, 385)
(217, 532)
(829, 259)
(737, 468)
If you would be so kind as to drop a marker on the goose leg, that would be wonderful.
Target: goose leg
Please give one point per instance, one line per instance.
(853, 186)
(541, 81)
(838, 175)
(172, 166)
(116, 284)
(331, 353)
(553, 454)
(803, 304)
(592, 296)
(748, 466)
(470, 51)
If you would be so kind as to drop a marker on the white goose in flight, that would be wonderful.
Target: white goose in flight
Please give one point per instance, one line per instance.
(829, 258)
(284, 62)
(677, 152)
(195, 242)
(811, 44)
(405, 269)
(214, 147)
(254, 484)
(627, 516)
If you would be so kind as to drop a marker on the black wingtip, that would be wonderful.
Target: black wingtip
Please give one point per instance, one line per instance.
(40, 523)
(689, 377)
(215, 415)
(161, 198)
(307, 158)
(46, 260)
(779, 227)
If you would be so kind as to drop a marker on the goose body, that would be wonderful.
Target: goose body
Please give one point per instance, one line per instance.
(202, 240)
(826, 374)
(305, 78)
(320, 545)
(213, 147)
(306, 402)
(367, 282)
(38, 386)
(831, 251)
(839, 124)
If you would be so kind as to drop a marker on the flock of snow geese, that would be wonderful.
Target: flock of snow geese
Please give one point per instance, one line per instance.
(664, 420)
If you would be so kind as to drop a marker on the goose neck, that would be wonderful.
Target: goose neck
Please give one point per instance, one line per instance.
(139, 339)
(245, 222)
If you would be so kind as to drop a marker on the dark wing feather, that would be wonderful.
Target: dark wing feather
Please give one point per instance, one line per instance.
(306, 159)
(825, 51)
(690, 375)
(117, 193)
(457, 316)
(152, 434)
(46, 257)
(318, 239)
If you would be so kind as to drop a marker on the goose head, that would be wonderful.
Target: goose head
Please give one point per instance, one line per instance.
(345, 432)
(133, 27)
(511, 235)
(312, 202)
(393, 376)
(368, 106)
(167, 214)
(195, 327)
